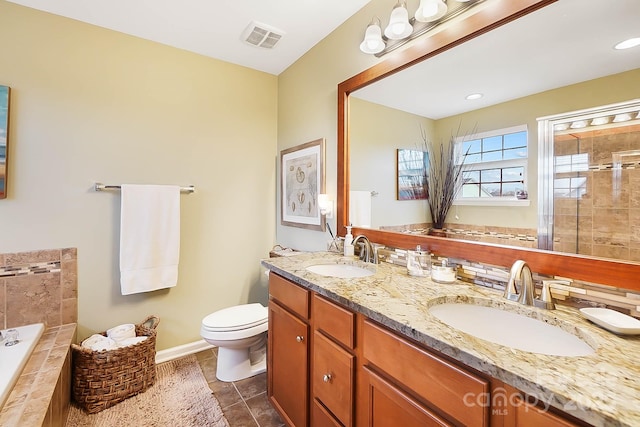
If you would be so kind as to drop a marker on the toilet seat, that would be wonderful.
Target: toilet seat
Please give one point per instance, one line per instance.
(236, 318)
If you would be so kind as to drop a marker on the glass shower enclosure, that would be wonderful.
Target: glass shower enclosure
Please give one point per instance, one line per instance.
(589, 182)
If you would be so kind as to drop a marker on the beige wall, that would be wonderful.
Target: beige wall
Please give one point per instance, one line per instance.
(307, 105)
(376, 134)
(88, 105)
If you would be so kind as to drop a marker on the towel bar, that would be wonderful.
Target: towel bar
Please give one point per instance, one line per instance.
(102, 187)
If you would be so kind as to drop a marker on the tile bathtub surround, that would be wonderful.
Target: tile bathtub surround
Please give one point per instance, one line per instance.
(39, 287)
(31, 398)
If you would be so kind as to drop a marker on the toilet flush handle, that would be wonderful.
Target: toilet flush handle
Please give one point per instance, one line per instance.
(299, 338)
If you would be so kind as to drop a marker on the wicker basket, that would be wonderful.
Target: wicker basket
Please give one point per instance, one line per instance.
(101, 379)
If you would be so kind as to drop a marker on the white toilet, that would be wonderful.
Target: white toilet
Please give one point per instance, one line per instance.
(240, 334)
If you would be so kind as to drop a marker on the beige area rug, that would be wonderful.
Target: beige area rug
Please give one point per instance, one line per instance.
(179, 398)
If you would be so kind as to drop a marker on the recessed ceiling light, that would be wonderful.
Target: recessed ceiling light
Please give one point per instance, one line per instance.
(474, 96)
(627, 44)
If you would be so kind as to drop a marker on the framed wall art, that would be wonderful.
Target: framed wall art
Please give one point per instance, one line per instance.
(411, 174)
(302, 180)
(4, 138)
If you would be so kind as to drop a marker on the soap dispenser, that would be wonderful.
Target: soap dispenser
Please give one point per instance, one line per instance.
(348, 242)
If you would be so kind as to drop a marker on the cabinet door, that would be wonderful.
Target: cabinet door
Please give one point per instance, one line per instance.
(528, 415)
(287, 365)
(388, 406)
(333, 370)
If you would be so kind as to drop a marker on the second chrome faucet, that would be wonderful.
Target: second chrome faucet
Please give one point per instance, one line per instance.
(521, 275)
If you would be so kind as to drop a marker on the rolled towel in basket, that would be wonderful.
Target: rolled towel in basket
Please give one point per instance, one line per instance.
(131, 341)
(122, 332)
(97, 342)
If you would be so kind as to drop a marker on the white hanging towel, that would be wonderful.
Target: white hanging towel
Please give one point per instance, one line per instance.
(149, 237)
(360, 208)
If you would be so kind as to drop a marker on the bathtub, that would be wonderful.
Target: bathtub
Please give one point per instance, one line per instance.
(14, 358)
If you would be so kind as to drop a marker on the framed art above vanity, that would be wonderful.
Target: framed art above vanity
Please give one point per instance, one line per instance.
(302, 181)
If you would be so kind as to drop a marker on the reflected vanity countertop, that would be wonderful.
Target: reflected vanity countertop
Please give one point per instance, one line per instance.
(601, 389)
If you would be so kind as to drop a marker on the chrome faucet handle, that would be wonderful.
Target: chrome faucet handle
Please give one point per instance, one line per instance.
(545, 301)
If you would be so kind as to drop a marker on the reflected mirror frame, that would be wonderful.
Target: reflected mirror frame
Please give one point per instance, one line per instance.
(5, 97)
(591, 269)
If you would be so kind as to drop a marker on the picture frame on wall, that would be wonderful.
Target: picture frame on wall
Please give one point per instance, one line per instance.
(302, 181)
(5, 92)
(411, 174)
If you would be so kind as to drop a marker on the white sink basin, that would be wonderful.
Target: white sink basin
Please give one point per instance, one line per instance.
(343, 271)
(511, 329)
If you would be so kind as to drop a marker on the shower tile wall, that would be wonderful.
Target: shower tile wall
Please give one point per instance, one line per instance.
(604, 220)
(39, 286)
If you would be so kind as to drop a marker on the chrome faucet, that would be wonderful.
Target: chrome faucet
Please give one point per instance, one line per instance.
(368, 252)
(521, 273)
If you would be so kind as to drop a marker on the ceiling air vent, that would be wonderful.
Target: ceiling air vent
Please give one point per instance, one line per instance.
(261, 35)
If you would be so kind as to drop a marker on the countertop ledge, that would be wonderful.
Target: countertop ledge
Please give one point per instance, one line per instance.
(602, 389)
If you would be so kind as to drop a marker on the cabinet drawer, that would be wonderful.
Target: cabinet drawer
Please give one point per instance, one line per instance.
(320, 417)
(332, 378)
(333, 320)
(430, 377)
(294, 297)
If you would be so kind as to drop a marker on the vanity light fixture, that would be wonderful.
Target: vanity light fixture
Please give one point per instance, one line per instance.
(399, 26)
(473, 96)
(600, 121)
(373, 42)
(628, 44)
(401, 29)
(430, 10)
(561, 126)
(623, 117)
(326, 205)
(579, 124)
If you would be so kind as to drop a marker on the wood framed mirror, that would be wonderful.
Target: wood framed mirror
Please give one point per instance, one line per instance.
(621, 274)
(4, 138)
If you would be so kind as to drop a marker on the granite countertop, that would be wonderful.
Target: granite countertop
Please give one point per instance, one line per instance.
(601, 389)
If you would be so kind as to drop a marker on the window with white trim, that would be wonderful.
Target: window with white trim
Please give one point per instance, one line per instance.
(495, 166)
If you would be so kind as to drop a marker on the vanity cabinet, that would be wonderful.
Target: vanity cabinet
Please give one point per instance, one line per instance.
(330, 367)
(400, 375)
(333, 363)
(288, 350)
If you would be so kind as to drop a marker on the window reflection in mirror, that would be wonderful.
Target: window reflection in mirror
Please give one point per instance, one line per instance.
(4, 137)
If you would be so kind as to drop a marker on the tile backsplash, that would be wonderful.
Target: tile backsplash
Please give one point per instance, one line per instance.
(574, 293)
(39, 286)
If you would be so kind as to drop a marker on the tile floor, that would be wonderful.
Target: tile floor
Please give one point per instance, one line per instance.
(244, 402)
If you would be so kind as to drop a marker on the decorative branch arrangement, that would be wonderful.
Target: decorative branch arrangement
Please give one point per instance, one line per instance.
(443, 176)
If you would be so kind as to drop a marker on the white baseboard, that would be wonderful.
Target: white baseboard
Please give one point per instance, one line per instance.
(182, 350)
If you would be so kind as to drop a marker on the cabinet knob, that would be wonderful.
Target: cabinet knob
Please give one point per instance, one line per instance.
(326, 378)
(299, 338)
